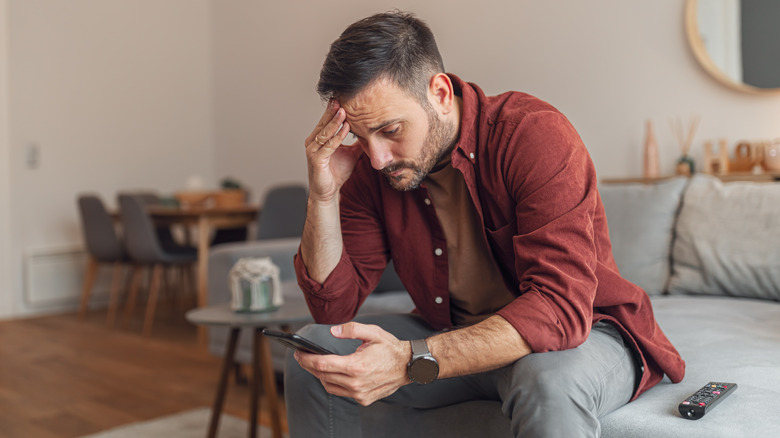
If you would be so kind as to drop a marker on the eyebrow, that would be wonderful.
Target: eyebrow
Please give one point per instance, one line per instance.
(379, 127)
(384, 125)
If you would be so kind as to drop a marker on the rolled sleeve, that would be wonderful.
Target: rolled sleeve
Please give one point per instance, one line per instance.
(553, 248)
(334, 301)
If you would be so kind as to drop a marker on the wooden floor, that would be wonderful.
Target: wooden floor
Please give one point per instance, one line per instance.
(61, 377)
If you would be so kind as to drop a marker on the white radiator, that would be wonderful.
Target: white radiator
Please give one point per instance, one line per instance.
(55, 277)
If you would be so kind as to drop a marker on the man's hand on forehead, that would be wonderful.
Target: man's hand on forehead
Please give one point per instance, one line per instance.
(330, 164)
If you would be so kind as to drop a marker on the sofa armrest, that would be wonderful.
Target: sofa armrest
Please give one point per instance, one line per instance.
(223, 257)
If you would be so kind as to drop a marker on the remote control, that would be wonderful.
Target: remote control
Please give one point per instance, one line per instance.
(703, 400)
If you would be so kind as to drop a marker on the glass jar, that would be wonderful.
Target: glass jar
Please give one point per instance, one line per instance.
(254, 285)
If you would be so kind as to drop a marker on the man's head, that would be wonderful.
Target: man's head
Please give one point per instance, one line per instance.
(392, 45)
(387, 74)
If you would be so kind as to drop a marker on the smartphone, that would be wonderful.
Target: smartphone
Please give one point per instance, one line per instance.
(297, 342)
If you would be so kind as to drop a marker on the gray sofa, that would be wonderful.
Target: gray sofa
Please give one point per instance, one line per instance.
(707, 253)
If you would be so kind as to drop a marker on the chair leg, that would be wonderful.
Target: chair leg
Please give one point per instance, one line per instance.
(89, 281)
(193, 284)
(151, 305)
(166, 285)
(174, 288)
(180, 287)
(113, 303)
(189, 295)
(135, 283)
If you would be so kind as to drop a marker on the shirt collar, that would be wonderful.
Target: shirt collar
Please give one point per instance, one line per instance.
(470, 94)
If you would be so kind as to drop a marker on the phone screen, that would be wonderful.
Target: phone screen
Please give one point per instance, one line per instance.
(297, 342)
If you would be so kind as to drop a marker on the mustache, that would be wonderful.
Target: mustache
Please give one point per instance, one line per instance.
(387, 170)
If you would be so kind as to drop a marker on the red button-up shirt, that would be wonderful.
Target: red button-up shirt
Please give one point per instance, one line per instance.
(535, 190)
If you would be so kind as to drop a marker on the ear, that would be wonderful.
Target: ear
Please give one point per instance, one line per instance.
(441, 93)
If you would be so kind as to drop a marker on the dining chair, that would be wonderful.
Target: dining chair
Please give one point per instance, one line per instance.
(148, 246)
(104, 245)
(164, 232)
(282, 216)
(283, 212)
(233, 234)
(165, 236)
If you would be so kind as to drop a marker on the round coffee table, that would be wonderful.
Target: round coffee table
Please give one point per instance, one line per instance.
(293, 310)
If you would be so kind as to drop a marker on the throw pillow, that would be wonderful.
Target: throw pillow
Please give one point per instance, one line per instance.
(728, 240)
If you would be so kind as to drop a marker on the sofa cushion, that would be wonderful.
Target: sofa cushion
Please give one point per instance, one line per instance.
(728, 240)
(722, 340)
(641, 219)
(734, 340)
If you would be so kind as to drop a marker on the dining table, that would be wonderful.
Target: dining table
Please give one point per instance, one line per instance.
(204, 219)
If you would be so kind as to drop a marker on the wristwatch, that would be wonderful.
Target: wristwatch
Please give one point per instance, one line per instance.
(423, 368)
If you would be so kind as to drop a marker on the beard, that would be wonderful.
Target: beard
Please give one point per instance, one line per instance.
(437, 144)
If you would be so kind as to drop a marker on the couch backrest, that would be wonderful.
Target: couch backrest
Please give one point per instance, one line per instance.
(641, 221)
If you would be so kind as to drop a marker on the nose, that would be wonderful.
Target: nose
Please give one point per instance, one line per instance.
(379, 155)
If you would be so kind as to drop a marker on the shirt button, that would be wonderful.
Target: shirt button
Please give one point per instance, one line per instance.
(438, 251)
(438, 300)
(471, 155)
(427, 201)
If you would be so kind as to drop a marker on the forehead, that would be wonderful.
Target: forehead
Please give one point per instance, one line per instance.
(378, 103)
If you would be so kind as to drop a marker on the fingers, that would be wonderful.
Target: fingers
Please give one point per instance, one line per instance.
(364, 377)
(328, 126)
(330, 111)
(361, 396)
(319, 364)
(341, 375)
(355, 330)
(323, 144)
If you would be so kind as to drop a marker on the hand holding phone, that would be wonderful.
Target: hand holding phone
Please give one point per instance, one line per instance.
(296, 342)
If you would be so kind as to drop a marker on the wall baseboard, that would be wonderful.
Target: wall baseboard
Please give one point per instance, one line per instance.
(54, 277)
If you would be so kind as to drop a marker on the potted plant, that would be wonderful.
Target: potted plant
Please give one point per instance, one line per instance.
(231, 193)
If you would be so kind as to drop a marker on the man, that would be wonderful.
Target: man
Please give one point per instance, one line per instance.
(489, 209)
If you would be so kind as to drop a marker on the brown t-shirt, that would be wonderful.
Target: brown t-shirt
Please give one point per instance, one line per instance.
(477, 289)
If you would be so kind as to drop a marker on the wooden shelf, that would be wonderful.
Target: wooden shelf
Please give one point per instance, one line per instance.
(734, 176)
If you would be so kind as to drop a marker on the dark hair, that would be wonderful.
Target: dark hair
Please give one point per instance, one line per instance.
(395, 45)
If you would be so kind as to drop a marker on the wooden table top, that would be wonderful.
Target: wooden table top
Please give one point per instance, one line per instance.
(161, 210)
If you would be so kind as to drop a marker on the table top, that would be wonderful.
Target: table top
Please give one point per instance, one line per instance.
(161, 210)
(176, 212)
(293, 310)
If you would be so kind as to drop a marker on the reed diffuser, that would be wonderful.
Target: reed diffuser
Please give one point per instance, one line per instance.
(685, 164)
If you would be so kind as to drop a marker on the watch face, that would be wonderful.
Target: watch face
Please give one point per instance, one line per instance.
(424, 370)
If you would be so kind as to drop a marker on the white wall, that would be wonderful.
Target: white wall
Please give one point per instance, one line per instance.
(115, 95)
(120, 94)
(6, 297)
(607, 64)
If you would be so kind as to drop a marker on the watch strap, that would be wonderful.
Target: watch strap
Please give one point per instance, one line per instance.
(419, 348)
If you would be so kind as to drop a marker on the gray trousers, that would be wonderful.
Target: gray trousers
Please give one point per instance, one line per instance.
(553, 394)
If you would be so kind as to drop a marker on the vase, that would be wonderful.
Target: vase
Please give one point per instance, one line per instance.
(772, 156)
(651, 164)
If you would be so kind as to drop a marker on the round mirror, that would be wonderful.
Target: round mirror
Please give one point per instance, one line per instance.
(737, 41)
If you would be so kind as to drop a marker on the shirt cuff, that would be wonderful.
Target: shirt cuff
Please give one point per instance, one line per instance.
(534, 319)
(338, 281)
